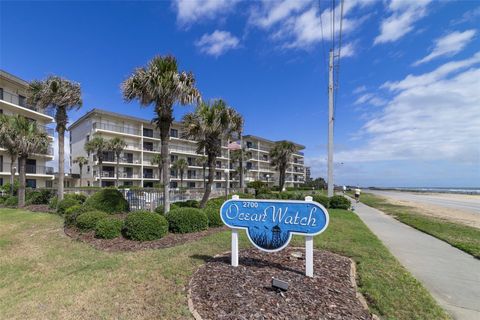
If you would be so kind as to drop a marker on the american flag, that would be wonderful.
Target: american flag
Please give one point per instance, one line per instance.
(234, 145)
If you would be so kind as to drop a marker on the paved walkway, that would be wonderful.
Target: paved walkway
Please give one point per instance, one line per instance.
(451, 276)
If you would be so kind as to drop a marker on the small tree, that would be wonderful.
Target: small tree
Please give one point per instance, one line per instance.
(60, 95)
(9, 141)
(98, 145)
(81, 161)
(158, 160)
(280, 154)
(207, 125)
(117, 145)
(180, 166)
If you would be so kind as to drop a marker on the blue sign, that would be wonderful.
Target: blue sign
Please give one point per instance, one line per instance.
(270, 224)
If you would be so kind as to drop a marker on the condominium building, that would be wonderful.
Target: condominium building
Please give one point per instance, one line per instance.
(143, 142)
(13, 102)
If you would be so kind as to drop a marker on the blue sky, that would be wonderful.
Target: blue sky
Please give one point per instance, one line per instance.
(408, 102)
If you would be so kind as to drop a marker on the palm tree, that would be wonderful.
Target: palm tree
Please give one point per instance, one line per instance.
(202, 161)
(180, 166)
(98, 145)
(207, 125)
(81, 161)
(30, 139)
(237, 122)
(158, 160)
(117, 145)
(161, 84)
(60, 95)
(280, 154)
(9, 141)
(240, 156)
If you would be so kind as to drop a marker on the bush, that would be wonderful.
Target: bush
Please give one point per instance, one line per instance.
(77, 196)
(41, 196)
(323, 200)
(108, 228)
(73, 212)
(291, 196)
(215, 203)
(52, 204)
(159, 209)
(188, 203)
(89, 219)
(213, 216)
(339, 202)
(11, 201)
(2, 199)
(267, 196)
(185, 220)
(6, 187)
(108, 200)
(145, 226)
(65, 204)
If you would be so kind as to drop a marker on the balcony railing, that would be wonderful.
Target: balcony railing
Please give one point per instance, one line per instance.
(29, 168)
(115, 128)
(49, 131)
(150, 175)
(182, 149)
(16, 100)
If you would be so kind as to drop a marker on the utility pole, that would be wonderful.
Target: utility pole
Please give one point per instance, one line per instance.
(330, 125)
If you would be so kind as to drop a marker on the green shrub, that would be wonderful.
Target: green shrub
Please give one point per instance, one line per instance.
(267, 196)
(88, 220)
(291, 196)
(65, 204)
(11, 201)
(2, 199)
(339, 202)
(213, 216)
(108, 228)
(323, 200)
(52, 204)
(108, 200)
(39, 196)
(243, 195)
(185, 220)
(145, 226)
(215, 202)
(73, 212)
(6, 187)
(159, 209)
(186, 204)
(77, 196)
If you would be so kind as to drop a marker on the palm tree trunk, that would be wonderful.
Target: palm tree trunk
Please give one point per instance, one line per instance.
(21, 189)
(81, 168)
(61, 161)
(282, 178)
(118, 165)
(101, 171)
(241, 163)
(204, 177)
(208, 187)
(165, 136)
(13, 159)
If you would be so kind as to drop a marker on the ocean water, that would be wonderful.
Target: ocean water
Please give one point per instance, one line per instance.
(439, 190)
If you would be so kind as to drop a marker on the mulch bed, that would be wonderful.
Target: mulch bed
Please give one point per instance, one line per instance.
(123, 244)
(220, 291)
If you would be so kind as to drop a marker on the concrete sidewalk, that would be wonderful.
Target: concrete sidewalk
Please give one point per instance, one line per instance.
(451, 276)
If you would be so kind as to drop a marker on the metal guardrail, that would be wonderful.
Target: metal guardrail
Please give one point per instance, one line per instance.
(115, 128)
(16, 100)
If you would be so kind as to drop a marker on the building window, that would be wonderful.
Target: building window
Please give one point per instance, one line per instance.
(128, 183)
(21, 101)
(31, 183)
(148, 132)
(88, 183)
(88, 137)
(218, 185)
(174, 133)
(191, 185)
(88, 169)
(1, 181)
(173, 184)
(1, 111)
(173, 158)
(265, 157)
(173, 173)
(218, 176)
(1, 93)
(49, 184)
(1, 163)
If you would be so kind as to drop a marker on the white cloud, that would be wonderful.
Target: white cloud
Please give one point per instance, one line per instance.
(427, 78)
(348, 50)
(449, 45)
(404, 13)
(431, 120)
(217, 43)
(370, 98)
(360, 89)
(301, 24)
(191, 11)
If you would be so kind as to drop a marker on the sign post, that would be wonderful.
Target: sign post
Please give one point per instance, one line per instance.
(270, 224)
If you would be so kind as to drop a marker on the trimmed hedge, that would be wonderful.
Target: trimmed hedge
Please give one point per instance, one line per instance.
(66, 203)
(145, 226)
(11, 201)
(108, 228)
(339, 202)
(73, 212)
(213, 216)
(323, 200)
(108, 200)
(185, 220)
(89, 219)
(187, 203)
(41, 196)
(2, 199)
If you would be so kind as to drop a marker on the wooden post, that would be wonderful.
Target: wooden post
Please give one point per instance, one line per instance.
(235, 241)
(309, 250)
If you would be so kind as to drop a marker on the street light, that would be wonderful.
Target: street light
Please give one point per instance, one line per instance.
(226, 182)
(267, 176)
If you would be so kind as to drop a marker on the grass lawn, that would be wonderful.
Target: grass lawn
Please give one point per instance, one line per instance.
(460, 236)
(46, 275)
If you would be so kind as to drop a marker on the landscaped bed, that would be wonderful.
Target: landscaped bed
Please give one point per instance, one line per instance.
(220, 291)
(123, 244)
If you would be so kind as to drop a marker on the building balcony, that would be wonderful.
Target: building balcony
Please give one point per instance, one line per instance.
(115, 128)
(20, 101)
(29, 170)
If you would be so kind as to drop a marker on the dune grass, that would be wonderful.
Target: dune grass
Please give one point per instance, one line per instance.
(46, 275)
(458, 235)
